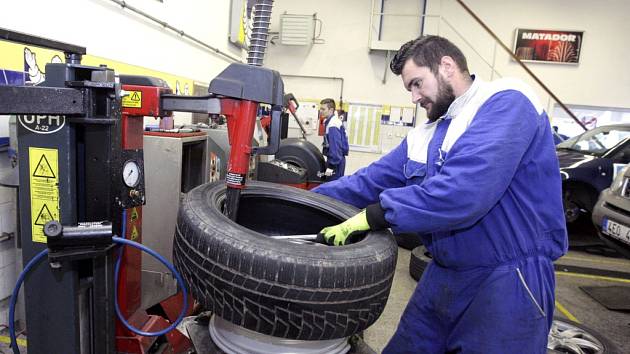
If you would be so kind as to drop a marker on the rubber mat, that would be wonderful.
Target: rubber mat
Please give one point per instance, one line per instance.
(616, 298)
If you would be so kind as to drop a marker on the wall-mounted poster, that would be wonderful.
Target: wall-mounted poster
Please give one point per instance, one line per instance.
(549, 46)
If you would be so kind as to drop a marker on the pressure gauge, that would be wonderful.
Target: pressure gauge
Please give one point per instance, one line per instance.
(131, 173)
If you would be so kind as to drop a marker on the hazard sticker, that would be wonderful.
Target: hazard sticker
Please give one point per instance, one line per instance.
(134, 233)
(133, 99)
(134, 215)
(44, 178)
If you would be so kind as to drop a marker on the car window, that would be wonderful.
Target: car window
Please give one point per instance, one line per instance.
(598, 140)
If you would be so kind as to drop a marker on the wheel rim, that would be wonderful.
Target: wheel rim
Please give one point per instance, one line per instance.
(567, 338)
(235, 339)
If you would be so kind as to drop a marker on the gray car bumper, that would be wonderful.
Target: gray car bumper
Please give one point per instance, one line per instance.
(616, 208)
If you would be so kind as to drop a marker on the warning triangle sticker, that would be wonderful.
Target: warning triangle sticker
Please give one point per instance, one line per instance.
(134, 233)
(43, 168)
(44, 216)
(134, 214)
(135, 96)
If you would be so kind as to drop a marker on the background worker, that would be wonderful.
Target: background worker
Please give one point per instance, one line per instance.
(480, 183)
(335, 146)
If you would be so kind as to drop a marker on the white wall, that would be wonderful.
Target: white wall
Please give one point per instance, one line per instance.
(601, 78)
(345, 54)
(108, 31)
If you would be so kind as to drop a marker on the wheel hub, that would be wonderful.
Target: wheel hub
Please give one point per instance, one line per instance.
(566, 338)
(233, 339)
(571, 211)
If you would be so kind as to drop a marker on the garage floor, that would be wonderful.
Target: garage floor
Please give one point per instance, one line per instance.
(572, 302)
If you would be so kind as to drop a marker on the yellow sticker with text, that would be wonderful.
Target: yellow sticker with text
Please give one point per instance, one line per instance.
(133, 99)
(44, 178)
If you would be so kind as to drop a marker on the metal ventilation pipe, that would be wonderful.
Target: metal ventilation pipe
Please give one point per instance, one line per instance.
(260, 32)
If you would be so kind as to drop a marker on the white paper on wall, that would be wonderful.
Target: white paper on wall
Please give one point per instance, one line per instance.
(394, 114)
(407, 115)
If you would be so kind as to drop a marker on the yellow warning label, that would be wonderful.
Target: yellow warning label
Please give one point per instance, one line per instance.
(134, 214)
(44, 178)
(43, 216)
(43, 168)
(133, 99)
(134, 233)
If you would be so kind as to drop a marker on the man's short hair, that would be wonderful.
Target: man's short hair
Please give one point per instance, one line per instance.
(329, 102)
(427, 51)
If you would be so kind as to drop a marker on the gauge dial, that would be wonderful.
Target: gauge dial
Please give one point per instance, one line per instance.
(131, 173)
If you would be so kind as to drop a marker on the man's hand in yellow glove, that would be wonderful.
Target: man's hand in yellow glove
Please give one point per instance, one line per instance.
(340, 234)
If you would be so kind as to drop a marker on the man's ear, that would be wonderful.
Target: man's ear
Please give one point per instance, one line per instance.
(447, 66)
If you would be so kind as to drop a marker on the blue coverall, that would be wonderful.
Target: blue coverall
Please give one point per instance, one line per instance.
(481, 186)
(335, 146)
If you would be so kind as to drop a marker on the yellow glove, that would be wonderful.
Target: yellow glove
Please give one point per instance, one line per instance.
(339, 234)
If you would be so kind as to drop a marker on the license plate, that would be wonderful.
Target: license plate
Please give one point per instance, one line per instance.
(616, 230)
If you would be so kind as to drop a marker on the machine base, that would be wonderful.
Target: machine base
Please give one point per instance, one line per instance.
(175, 343)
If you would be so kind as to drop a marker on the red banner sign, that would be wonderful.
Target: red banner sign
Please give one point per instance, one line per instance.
(550, 46)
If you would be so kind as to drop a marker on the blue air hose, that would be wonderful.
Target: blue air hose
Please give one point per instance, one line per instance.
(121, 241)
(178, 276)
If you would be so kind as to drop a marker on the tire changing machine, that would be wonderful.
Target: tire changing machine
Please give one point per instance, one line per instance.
(210, 334)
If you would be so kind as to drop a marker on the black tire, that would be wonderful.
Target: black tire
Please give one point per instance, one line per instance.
(304, 154)
(276, 287)
(418, 262)
(408, 241)
(575, 198)
(566, 335)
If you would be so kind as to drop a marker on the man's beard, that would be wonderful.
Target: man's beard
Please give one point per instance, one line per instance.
(443, 100)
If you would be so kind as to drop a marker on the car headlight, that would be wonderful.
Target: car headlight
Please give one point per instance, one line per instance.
(617, 183)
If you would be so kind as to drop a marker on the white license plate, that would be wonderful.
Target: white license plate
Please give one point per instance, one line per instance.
(616, 230)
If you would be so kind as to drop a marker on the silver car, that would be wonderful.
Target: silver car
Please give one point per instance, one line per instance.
(611, 213)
